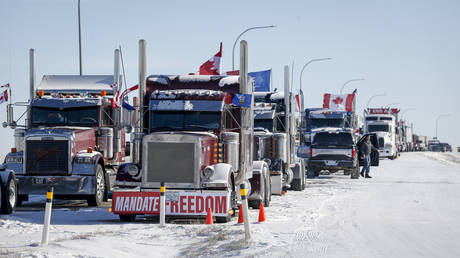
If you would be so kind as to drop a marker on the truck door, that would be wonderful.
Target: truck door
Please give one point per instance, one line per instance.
(374, 153)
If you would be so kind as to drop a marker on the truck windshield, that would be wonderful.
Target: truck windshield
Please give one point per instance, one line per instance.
(336, 139)
(87, 116)
(378, 128)
(264, 123)
(320, 123)
(185, 120)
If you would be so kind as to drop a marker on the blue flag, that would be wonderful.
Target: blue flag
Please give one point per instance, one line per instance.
(261, 80)
(242, 100)
(127, 106)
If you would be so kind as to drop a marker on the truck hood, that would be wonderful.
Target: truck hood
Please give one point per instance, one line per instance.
(80, 137)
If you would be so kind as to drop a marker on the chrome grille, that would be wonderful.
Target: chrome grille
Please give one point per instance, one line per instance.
(47, 157)
(170, 162)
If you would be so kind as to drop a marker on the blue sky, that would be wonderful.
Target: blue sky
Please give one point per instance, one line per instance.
(406, 49)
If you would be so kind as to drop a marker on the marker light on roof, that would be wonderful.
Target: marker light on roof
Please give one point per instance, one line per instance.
(187, 92)
(176, 92)
(41, 93)
(156, 92)
(167, 93)
(208, 93)
(103, 93)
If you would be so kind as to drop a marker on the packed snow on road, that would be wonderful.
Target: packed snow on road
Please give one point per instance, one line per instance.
(408, 209)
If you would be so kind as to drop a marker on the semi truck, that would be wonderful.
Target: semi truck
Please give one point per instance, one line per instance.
(73, 138)
(382, 122)
(274, 138)
(194, 134)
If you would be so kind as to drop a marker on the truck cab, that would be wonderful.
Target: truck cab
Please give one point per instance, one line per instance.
(382, 122)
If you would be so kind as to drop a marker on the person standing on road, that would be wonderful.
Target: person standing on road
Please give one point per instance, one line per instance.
(366, 150)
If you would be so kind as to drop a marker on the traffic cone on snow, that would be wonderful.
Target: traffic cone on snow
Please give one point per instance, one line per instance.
(261, 213)
(209, 220)
(240, 215)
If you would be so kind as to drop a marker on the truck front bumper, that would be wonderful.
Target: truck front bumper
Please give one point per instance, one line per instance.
(62, 185)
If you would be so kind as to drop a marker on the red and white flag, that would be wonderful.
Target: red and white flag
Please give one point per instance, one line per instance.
(4, 93)
(135, 87)
(213, 65)
(340, 102)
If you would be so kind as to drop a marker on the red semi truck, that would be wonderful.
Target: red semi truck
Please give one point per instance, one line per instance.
(195, 134)
(73, 138)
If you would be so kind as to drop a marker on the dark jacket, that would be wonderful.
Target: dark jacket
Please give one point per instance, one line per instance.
(367, 147)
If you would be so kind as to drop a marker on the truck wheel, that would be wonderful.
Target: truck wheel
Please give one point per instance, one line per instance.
(355, 173)
(268, 192)
(297, 184)
(99, 180)
(9, 195)
(223, 219)
(128, 218)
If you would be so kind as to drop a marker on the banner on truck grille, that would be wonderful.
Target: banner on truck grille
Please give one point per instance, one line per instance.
(177, 203)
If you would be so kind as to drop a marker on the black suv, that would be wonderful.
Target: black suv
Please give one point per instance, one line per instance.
(338, 150)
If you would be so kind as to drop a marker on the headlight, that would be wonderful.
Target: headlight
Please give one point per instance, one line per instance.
(133, 170)
(208, 172)
(13, 159)
(84, 160)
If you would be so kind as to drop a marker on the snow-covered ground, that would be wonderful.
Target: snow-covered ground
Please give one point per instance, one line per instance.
(409, 209)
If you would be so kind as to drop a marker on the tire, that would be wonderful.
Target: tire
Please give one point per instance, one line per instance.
(268, 192)
(297, 184)
(223, 219)
(347, 172)
(99, 179)
(128, 218)
(255, 204)
(9, 195)
(355, 173)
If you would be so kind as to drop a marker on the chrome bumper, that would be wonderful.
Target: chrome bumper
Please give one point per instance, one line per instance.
(63, 185)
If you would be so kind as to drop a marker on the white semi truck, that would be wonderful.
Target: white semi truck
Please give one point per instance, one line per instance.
(382, 122)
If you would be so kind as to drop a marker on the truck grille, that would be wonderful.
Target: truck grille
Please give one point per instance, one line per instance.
(170, 162)
(47, 157)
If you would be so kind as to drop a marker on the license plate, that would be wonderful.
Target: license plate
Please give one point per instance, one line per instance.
(38, 180)
(331, 162)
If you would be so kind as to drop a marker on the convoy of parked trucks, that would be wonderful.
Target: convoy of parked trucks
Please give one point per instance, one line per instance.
(200, 136)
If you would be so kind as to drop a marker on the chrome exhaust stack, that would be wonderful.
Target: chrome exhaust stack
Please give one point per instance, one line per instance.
(247, 121)
(32, 74)
(118, 111)
(139, 126)
(287, 118)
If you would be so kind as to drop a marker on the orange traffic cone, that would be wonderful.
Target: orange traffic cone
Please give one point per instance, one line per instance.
(240, 215)
(261, 213)
(209, 220)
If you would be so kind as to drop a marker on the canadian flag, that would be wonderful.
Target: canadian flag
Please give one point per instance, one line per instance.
(339, 102)
(4, 94)
(213, 65)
